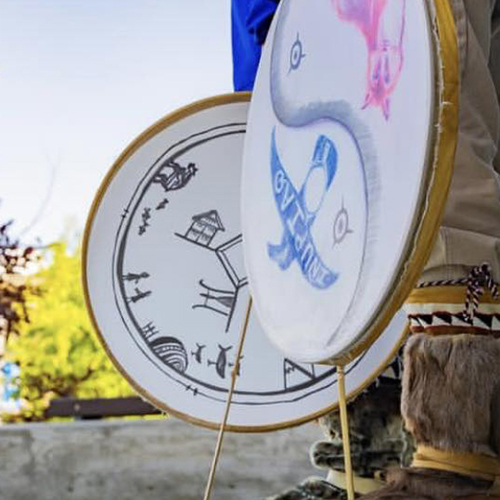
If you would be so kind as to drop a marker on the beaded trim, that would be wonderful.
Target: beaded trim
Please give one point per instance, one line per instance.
(479, 278)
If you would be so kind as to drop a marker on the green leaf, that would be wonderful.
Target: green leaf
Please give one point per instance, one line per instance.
(58, 351)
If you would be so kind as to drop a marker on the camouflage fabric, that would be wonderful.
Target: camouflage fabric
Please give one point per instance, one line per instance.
(312, 489)
(378, 439)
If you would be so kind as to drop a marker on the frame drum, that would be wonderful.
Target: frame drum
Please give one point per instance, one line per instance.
(167, 290)
(348, 158)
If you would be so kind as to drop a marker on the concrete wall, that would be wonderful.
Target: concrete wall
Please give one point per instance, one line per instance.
(147, 460)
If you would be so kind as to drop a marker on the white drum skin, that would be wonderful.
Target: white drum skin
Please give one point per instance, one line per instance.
(336, 168)
(166, 286)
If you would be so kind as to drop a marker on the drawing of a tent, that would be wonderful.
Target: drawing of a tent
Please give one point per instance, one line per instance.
(204, 227)
(219, 301)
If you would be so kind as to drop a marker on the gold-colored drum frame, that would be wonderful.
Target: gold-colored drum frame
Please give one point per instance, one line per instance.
(127, 153)
(434, 193)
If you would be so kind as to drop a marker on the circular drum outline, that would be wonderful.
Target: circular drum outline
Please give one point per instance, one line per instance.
(434, 194)
(443, 138)
(136, 144)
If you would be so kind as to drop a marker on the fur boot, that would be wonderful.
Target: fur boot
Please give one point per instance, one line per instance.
(451, 387)
(450, 402)
(420, 484)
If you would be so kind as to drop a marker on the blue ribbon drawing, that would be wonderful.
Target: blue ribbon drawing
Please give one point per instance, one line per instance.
(297, 218)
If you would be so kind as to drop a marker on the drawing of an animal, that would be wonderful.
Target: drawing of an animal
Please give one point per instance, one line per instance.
(198, 353)
(221, 362)
(382, 23)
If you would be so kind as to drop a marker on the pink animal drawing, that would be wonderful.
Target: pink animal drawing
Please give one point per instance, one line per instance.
(382, 23)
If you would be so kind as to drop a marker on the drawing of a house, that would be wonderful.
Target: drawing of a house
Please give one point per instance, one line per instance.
(204, 228)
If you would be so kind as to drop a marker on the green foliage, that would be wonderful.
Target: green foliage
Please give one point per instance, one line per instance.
(57, 350)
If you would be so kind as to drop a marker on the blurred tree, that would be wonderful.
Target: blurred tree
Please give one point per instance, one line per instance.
(14, 262)
(57, 350)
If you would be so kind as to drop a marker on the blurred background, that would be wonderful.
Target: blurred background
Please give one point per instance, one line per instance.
(79, 80)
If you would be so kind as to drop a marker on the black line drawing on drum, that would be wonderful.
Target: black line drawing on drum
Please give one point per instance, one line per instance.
(143, 333)
(221, 362)
(135, 277)
(168, 350)
(296, 54)
(139, 295)
(198, 353)
(219, 301)
(203, 229)
(171, 351)
(171, 177)
(149, 331)
(176, 176)
(162, 205)
(341, 226)
(146, 217)
(291, 367)
(194, 390)
(223, 254)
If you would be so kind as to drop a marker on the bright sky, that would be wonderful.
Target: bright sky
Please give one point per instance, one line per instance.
(80, 79)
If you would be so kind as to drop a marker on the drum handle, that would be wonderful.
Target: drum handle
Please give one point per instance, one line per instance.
(234, 374)
(344, 424)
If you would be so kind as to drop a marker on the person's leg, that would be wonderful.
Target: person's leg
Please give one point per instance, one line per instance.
(441, 372)
(470, 232)
(495, 63)
(451, 381)
(378, 441)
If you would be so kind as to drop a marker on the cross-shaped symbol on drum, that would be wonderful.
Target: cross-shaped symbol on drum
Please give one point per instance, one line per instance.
(298, 212)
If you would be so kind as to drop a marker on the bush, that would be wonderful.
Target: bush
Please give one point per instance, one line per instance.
(57, 350)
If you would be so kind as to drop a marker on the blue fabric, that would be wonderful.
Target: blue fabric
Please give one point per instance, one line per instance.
(250, 20)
